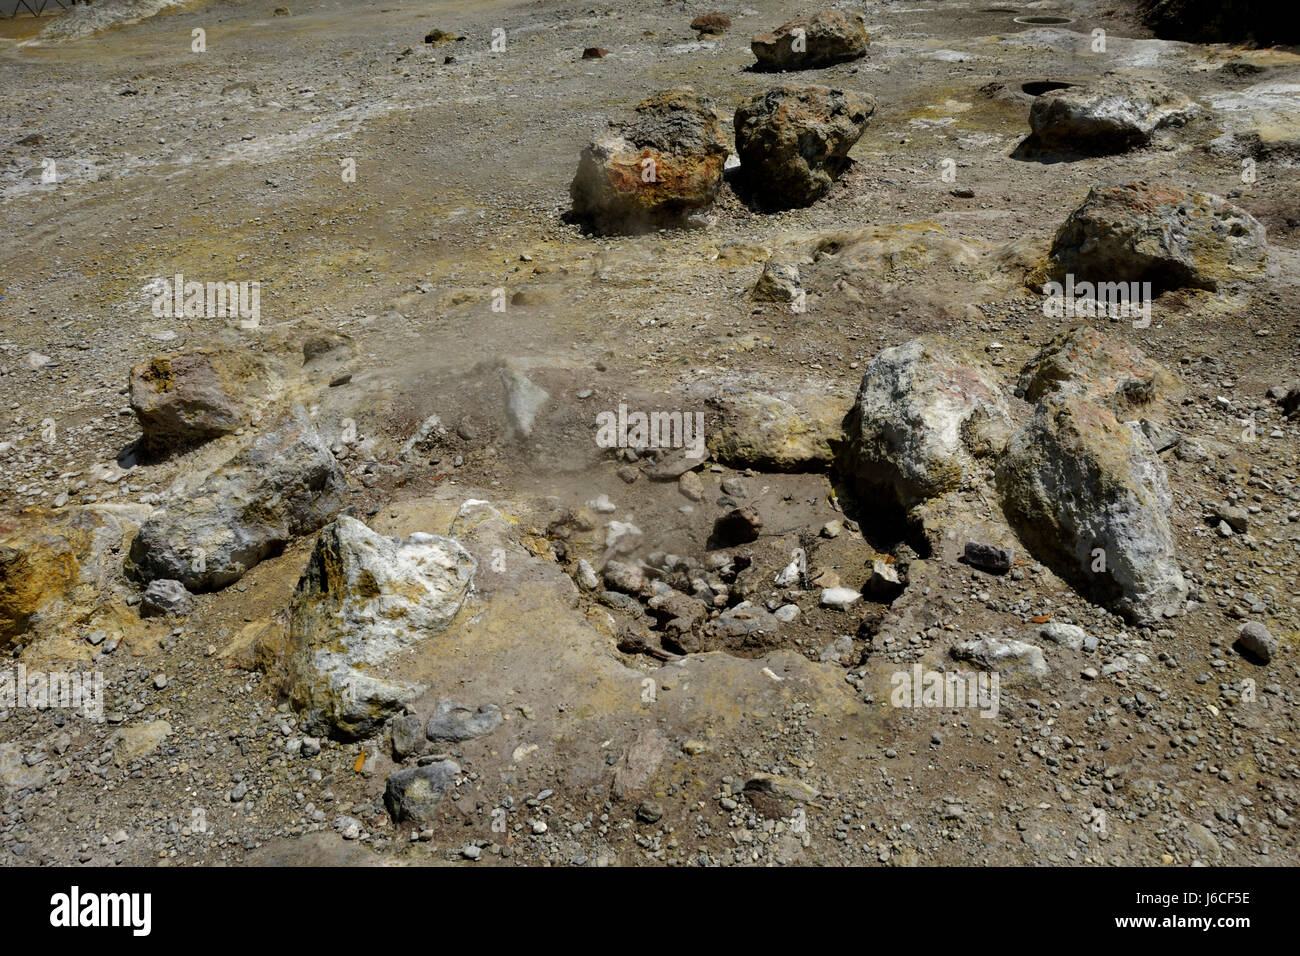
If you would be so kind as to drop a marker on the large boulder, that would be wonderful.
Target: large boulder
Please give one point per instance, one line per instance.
(192, 397)
(362, 601)
(1108, 115)
(819, 39)
(61, 570)
(664, 163)
(1089, 497)
(926, 415)
(1142, 232)
(1105, 368)
(284, 485)
(794, 140)
(786, 431)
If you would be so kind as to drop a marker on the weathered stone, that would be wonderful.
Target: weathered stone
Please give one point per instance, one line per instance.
(455, 722)
(1141, 232)
(1107, 115)
(1098, 366)
(884, 583)
(927, 413)
(61, 569)
(139, 740)
(680, 612)
(794, 141)
(286, 484)
(192, 397)
(780, 786)
(839, 597)
(711, 24)
(778, 282)
(1067, 635)
(1088, 495)
(164, 596)
(652, 171)
(819, 39)
(778, 432)
(1010, 659)
(746, 623)
(1237, 518)
(989, 557)
(407, 737)
(524, 401)
(1257, 642)
(415, 794)
(363, 599)
(15, 773)
(633, 772)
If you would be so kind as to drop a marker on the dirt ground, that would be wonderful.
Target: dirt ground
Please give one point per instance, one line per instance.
(234, 164)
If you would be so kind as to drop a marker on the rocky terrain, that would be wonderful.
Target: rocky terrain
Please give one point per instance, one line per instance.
(363, 533)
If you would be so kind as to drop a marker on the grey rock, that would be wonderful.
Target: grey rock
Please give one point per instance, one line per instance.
(778, 282)
(989, 557)
(1089, 496)
(1106, 368)
(744, 621)
(1235, 517)
(781, 786)
(415, 794)
(192, 397)
(1107, 115)
(165, 596)
(884, 583)
(1257, 642)
(807, 42)
(1011, 659)
(285, 484)
(1147, 232)
(456, 722)
(794, 140)
(362, 600)
(926, 415)
(675, 464)
(407, 735)
(1067, 635)
(524, 400)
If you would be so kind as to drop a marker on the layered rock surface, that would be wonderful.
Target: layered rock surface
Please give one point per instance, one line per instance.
(794, 140)
(928, 417)
(284, 485)
(362, 601)
(815, 40)
(1147, 232)
(652, 170)
(1088, 495)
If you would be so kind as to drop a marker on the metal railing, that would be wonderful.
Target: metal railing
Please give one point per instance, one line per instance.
(34, 7)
